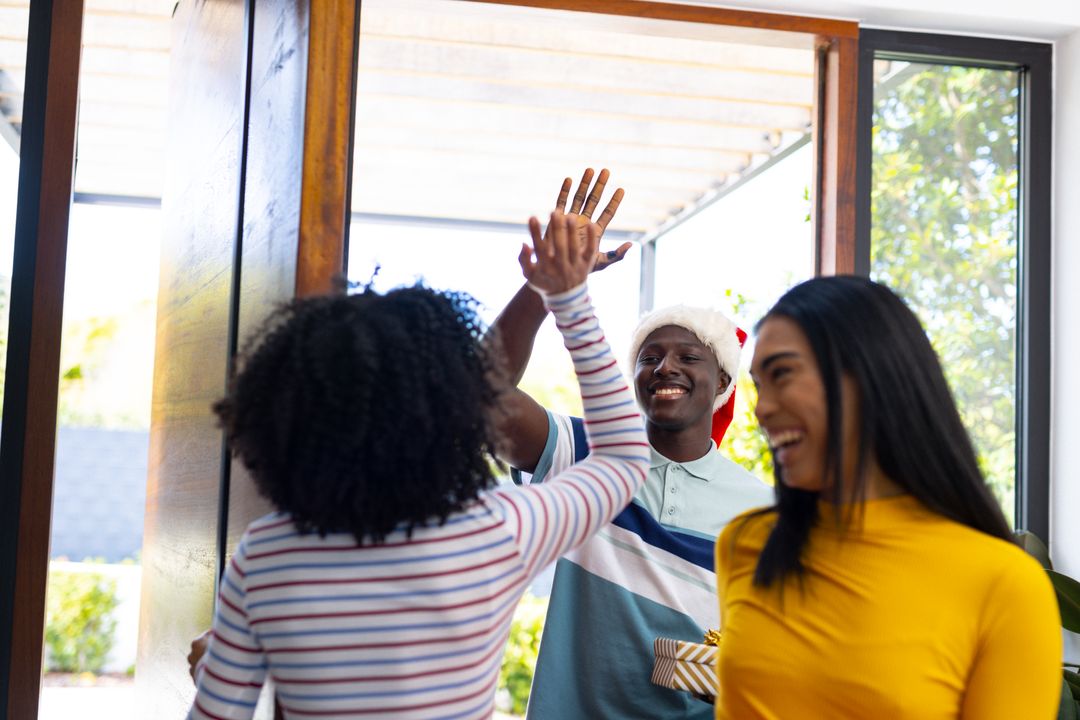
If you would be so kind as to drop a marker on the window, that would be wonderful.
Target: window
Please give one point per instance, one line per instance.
(955, 144)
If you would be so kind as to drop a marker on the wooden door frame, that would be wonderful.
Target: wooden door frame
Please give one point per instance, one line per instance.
(29, 426)
(326, 186)
(27, 445)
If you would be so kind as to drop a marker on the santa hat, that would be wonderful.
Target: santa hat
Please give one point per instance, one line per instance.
(716, 332)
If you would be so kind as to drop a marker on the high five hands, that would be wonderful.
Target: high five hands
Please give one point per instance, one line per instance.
(584, 205)
(565, 253)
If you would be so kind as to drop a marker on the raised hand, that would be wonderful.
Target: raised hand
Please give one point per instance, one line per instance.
(584, 204)
(565, 254)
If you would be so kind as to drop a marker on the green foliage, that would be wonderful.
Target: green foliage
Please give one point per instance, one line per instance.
(519, 663)
(553, 384)
(1072, 680)
(1068, 600)
(87, 347)
(944, 204)
(79, 622)
(744, 442)
(1034, 547)
(84, 349)
(1069, 707)
(1068, 596)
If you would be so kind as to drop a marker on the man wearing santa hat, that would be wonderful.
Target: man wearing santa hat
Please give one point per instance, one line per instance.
(650, 573)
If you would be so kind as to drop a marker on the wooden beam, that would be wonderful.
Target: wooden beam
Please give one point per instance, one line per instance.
(97, 11)
(657, 94)
(328, 133)
(578, 54)
(97, 45)
(28, 441)
(366, 125)
(493, 107)
(697, 14)
(835, 149)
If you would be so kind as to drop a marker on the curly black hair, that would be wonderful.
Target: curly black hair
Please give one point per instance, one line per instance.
(362, 413)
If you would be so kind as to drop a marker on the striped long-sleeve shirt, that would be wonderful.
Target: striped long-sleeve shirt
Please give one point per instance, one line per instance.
(415, 627)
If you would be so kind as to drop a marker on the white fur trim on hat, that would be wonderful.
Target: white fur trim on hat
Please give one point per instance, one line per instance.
(711, 327)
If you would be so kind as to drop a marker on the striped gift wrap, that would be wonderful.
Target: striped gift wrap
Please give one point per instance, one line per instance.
(683, 665)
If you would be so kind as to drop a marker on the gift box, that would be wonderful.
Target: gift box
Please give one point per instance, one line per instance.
(689, 666)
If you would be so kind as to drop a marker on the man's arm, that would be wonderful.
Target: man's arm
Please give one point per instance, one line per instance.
(522, 426)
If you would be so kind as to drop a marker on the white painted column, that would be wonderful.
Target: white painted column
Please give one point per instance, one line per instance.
(1065, 374)
(1065, 383)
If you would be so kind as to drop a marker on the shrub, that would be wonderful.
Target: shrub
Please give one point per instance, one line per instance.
(79, 624)
(519, 663)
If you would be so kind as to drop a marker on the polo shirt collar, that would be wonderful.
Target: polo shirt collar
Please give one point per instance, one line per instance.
(703, 467)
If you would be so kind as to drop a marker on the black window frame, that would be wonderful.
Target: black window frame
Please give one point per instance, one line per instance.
(1034, 62)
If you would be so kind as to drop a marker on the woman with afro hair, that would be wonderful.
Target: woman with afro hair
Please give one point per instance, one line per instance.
(385, 583)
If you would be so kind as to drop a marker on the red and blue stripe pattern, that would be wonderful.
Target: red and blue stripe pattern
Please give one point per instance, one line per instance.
(415, 627)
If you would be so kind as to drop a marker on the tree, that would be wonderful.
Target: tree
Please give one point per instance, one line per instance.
(744, 442)
(90, 350)
(944, 209)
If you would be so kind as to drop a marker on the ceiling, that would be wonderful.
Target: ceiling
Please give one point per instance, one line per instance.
(474, 112)
(123, 92)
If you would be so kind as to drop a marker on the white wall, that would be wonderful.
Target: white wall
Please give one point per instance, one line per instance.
(1065, 426)
(1031, 19)
(1065, 382)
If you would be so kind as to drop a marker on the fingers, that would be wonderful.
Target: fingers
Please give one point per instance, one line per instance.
(563, 229)
(606, 259)
(592, 245)
(528, 267)
(534, 230)
(564, 192)
(563, 253)
(198, 649)
(583, 188)
(609, 211)
(597, 192)
(541, 240)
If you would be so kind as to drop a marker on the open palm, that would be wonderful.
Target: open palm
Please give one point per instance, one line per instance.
(583, 205)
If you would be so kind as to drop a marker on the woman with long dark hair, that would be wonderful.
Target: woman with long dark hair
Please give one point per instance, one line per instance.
(883, 583)
(385, 583)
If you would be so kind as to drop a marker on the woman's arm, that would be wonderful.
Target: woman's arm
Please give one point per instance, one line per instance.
(562, 513)
(523, 425)
(233, 670)
(1017, 669)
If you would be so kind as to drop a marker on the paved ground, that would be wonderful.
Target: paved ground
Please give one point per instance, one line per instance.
(87, 703)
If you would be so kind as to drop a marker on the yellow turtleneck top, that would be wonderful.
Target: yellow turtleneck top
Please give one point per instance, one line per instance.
(905, 614)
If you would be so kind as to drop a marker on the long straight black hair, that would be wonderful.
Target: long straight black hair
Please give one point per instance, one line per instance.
(908, 421)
